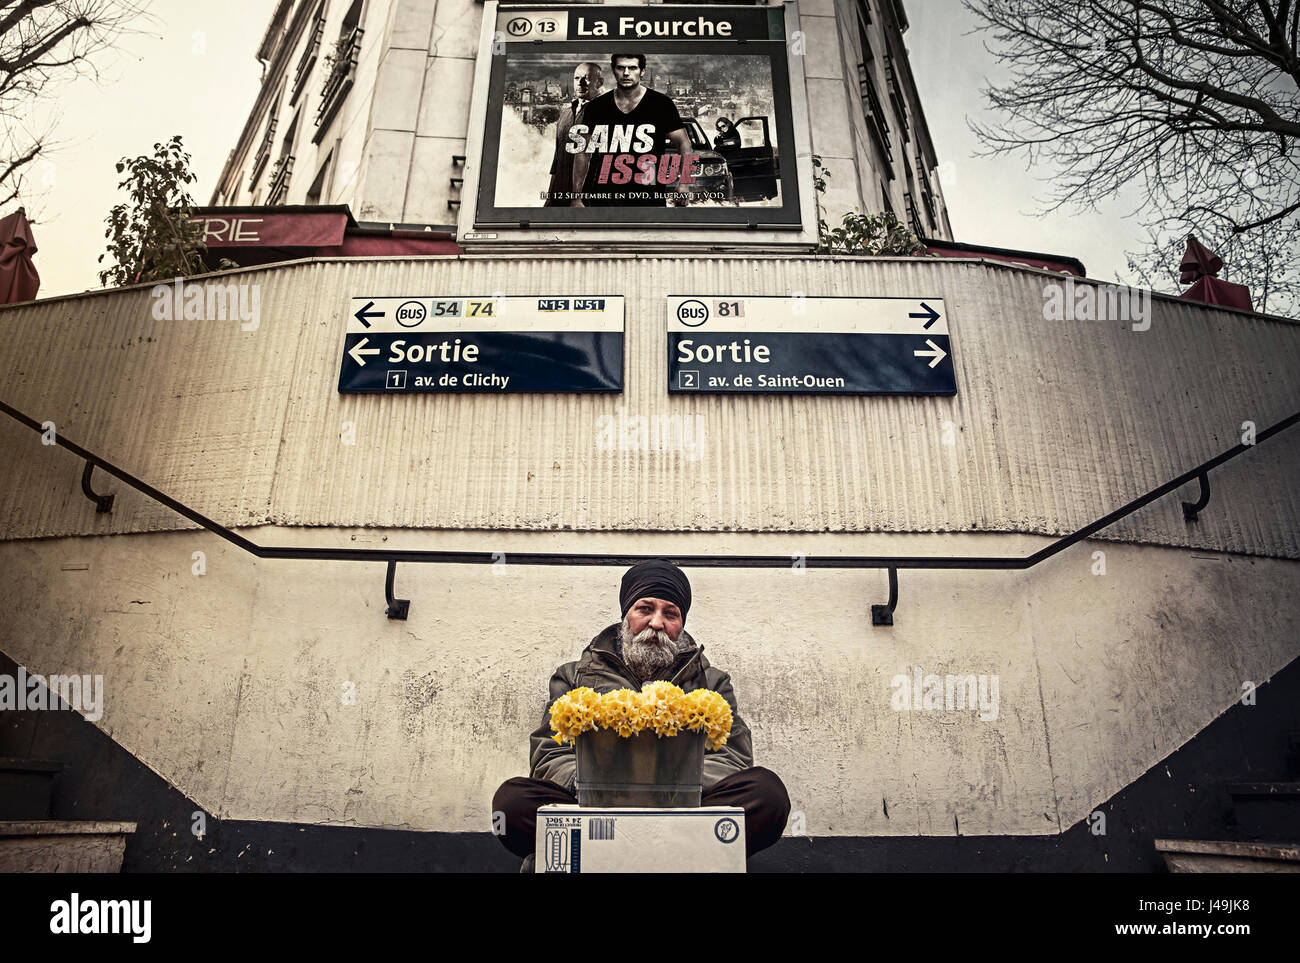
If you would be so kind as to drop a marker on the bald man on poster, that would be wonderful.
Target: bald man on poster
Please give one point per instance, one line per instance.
(588, 83)
(650, 643)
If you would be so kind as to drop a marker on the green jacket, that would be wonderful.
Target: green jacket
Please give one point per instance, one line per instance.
(600, 668)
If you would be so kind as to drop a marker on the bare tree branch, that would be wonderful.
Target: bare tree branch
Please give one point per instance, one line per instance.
(44, 43)
(1191, 106)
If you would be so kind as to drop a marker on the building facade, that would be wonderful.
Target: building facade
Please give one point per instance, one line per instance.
(368, 103)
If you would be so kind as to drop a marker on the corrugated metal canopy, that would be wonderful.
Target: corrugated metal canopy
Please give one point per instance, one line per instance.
(1055, 423)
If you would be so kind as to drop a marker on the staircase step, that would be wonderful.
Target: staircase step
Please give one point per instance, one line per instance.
(1225, 856)
(62, 846)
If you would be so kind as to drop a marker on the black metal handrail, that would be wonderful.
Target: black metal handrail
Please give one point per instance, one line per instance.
(880, 614)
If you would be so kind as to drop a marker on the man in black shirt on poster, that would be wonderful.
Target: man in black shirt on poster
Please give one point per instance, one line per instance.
(621, 160)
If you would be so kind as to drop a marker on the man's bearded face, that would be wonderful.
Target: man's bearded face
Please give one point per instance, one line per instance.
(648, 651)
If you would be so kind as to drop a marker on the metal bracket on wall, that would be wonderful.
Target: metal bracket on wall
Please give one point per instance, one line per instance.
(1190, 510)
(457, 160)
(397, 608)
(884, 614)
(456, 183)
(103, 503)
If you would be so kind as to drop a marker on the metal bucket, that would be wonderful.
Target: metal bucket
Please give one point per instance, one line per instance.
(643, 770)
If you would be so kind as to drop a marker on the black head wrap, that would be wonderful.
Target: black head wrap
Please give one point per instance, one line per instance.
(656, 579)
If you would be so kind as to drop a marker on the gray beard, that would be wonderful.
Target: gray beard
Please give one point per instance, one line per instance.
(647, 653)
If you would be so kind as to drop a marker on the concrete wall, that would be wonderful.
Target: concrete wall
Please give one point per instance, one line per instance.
(351, 133)
(1054, 424)
(230, 684)
(835, 123)
(419, 111)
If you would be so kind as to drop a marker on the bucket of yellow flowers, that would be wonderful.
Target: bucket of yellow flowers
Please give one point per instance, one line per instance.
(641, 748)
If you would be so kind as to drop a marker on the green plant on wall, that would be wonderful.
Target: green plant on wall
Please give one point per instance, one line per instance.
(880, 234)
(152, 238)
(339, 56)
(820, 173)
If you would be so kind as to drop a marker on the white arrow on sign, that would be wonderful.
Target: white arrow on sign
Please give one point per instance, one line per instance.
(938, 354)
(360, 348)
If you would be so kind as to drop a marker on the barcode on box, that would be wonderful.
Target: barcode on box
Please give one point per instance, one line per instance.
(600, 827)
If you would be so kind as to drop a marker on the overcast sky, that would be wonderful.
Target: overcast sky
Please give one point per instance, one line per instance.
(193, 73)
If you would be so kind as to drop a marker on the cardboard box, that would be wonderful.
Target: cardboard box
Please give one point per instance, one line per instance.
(571, 839)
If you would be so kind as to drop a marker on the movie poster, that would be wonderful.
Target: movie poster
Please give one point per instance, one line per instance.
(639, 116)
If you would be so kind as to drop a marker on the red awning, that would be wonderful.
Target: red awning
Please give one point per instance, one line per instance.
(392, 243)
(251, 228)
(1048, 262)
(18, 278)
(265, 235)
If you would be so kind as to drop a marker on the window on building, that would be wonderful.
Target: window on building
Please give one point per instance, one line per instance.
(317, 189)
(286, 145)
(874, 114)
(927, 193)
(278, 182)
(351, 19)
(912, 215)
(896, 98)
(310, 53)
(864, 41)
(340, 63)
(872, 111)
(267, 143)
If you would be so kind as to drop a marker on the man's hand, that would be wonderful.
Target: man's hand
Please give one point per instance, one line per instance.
(580, 164)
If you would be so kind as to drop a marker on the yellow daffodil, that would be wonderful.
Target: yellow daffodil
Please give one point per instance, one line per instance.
(660, 707)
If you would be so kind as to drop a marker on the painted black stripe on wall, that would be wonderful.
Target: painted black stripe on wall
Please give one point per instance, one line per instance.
(1181, 797)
